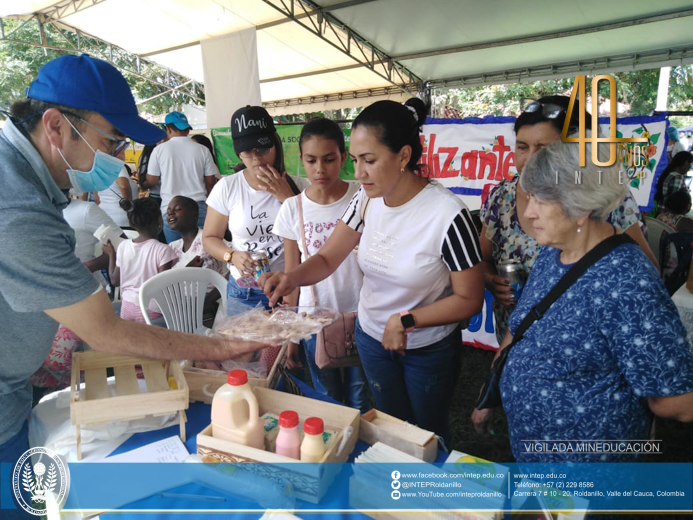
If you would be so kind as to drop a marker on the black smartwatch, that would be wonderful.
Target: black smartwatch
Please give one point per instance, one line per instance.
(407, 321)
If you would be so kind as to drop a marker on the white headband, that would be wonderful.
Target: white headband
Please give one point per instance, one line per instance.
(413, 112)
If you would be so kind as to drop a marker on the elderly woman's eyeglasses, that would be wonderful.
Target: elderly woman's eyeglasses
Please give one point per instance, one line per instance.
(548, 110)
(117, 145)
(247, 154)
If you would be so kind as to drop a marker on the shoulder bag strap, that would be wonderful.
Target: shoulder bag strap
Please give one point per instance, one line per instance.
(591, 257)
(292, 184)
(302, 231)
(364, 208)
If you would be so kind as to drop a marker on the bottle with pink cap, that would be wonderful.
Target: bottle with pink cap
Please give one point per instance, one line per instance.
(235, 412)
(288, 439)
(313, 445)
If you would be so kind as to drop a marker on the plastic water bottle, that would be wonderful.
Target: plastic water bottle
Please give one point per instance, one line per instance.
(313, 445)
(288, 440)
(235, 413)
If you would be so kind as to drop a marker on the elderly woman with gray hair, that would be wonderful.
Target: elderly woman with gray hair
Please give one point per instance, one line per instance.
(611, 350)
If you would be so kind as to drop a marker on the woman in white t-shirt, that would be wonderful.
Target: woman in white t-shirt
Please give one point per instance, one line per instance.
(323, 203)
(247, 203)
(420, 257)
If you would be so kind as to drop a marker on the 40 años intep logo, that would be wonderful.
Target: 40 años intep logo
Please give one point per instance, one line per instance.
(47, 475)
(628, 157)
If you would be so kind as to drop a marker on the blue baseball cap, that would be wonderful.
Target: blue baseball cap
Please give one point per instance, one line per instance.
(92, 84)
(178, 120)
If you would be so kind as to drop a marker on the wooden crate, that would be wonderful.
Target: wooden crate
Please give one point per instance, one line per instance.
(203, 383)
(98, 402)
(310, 481)
(377, 426)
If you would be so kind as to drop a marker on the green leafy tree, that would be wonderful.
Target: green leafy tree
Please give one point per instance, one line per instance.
(638, 89)
(20, 63)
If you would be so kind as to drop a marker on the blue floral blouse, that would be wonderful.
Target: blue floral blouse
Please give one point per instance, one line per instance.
(582, 371)
(510, 242)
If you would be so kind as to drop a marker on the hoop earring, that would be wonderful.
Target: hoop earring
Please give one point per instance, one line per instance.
(401, 170)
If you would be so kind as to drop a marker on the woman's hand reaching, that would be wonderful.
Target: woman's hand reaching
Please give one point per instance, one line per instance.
(276, 285)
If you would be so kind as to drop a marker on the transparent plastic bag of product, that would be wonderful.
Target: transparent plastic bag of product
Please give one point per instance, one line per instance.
(278, 327)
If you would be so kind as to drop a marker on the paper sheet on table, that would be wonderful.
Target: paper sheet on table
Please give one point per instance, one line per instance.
(165, 450)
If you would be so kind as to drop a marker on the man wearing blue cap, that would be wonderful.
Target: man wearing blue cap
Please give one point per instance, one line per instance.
(65, 134)
(184, 168)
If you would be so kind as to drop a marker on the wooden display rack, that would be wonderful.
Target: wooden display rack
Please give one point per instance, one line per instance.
(166, 390)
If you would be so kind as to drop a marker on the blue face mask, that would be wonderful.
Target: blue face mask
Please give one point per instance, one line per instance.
(103, 173)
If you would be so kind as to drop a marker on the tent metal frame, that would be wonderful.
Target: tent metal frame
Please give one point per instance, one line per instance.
(330, 29)
(319, 21)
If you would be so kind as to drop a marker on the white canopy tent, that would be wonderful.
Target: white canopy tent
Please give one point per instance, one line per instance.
(339, 52)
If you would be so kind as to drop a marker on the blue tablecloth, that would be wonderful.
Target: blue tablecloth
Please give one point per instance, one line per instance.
(198, 415)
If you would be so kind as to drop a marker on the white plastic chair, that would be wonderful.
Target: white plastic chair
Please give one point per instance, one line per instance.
(656, 231)
(180, 294)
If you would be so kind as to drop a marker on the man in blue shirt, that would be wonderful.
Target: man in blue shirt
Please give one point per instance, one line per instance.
(64, 135)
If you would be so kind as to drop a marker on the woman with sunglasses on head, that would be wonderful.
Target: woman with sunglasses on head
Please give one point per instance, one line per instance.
(506, 232)
(247, 203)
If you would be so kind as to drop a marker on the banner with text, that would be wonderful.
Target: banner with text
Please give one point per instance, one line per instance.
(470, 156)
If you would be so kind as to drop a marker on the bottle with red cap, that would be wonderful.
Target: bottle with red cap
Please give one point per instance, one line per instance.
(288, 439)
(313, 445)
(235, 412)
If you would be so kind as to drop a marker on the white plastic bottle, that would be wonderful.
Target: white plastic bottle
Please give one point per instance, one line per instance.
(288, 440)
(235, 414)
(313, 445)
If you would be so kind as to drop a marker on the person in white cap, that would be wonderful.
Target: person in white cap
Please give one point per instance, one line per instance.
(183, 167)
(66, 134)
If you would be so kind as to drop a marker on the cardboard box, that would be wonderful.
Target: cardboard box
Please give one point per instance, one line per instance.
(310, 481)
(377, 426)
(203, 383)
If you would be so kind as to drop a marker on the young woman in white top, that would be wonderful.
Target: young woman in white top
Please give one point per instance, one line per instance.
(247, 203)
(323, 154)
(420, 257)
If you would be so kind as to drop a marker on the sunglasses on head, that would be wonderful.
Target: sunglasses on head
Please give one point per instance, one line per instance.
(255, 151)
(548, 110)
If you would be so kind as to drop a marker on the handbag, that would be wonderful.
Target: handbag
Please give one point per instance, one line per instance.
(335, 346)
(490, 395)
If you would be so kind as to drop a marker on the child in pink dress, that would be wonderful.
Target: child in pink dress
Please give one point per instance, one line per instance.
(138, 259)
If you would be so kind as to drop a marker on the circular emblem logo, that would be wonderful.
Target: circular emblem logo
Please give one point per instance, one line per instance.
(32, 484)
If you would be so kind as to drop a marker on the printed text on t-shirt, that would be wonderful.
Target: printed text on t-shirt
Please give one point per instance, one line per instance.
(317, 233)
(379, 253)
(266, 238)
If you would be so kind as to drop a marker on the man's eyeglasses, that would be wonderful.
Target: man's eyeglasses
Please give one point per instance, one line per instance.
(548, 110)
(247, 154)
(118, 145)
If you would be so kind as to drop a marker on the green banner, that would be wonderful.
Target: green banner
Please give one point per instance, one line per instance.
(289, 134)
